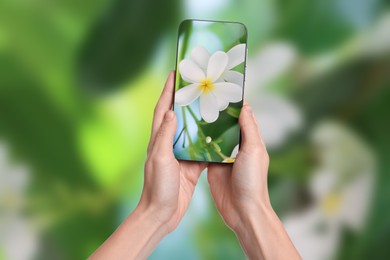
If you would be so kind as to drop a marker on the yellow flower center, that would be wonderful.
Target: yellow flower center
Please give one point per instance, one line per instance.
(229, 160)
(206, 85)
(331, 203)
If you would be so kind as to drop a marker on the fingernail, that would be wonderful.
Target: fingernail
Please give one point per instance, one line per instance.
(169, 115)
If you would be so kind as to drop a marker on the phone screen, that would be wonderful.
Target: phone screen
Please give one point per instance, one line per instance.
(209, 90)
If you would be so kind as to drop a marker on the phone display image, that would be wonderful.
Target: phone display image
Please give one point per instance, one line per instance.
(209, 84)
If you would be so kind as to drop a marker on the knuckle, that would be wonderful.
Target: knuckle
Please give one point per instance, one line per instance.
(149, 148)
(162, 130)
(157, 111)
(260, 151)
(266, 157)
(160, 133)
(158, 159)
(148, 166)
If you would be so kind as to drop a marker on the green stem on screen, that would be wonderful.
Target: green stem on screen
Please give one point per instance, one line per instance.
(191, 144)
(185, 125)
(203, 136)
(178, 138)
(207, 154)
(221, 154)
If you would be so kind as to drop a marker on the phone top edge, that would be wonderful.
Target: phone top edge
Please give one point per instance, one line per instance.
(213, 21)
(217, 21)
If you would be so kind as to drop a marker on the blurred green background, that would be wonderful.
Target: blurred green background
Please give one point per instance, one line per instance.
(78, 84)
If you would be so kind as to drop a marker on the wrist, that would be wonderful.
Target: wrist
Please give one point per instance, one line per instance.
(261, 235)
(135, 238)
(151, 217)
(253, 211)
(251, 215)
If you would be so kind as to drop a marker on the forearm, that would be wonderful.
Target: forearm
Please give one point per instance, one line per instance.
(263, 236)
(135, 238)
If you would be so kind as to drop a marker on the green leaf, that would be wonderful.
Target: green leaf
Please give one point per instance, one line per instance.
(234, 112)
(224, 122)
(122, 42)
(37, 129)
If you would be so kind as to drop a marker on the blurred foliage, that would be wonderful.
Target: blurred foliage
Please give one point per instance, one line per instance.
(86, 152)
(123, 41)
(317, 26)
(360, 98)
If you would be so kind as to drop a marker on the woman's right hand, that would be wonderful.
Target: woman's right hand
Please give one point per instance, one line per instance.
(240, 193)
(240, 188)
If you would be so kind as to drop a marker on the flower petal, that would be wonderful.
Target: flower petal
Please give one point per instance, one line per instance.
(187, 95)
(208, 107)
(278, 116)
(222, 104)
(236, 55)
(191, 72)
(228, 91)
(235, 151)
(271, 61)
(216, 66)
(233, 77)
(200, 56)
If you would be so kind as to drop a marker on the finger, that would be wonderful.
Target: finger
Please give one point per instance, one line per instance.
(218, 177)
(250, 135)
(219, 173)
(163, 141)
(192, 170)
(163, 105)
(202, 166)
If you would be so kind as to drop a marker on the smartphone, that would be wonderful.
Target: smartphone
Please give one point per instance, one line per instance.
(209, 90)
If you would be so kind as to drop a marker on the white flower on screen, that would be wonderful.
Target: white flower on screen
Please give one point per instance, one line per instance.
(341, 187)
(214, 94)
(233, 155)
(236, 56)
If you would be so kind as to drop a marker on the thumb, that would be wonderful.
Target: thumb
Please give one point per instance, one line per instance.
(163, 144)
(250, 135)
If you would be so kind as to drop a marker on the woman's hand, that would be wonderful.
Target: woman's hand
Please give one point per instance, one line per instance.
(240, 193)
(169, 184)
(239, 188)
(167, 191)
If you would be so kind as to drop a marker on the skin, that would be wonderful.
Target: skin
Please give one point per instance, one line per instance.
(239, 191)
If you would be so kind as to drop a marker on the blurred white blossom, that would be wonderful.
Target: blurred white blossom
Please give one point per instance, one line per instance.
(377, 40)
(18, 239)
(371, 42)
(267, 64)
(341, 188)
(277, 115)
